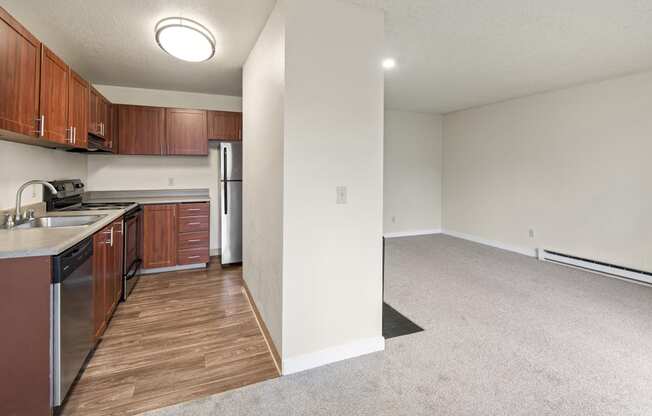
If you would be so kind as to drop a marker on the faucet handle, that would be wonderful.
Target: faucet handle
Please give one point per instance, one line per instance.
(9, 220)
(29, 214)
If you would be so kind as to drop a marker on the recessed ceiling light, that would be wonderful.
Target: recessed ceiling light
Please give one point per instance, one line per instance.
(389, 63)
(185, 39)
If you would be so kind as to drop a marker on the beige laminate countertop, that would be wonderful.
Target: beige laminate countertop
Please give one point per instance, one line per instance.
(152, 200)
(34, 242)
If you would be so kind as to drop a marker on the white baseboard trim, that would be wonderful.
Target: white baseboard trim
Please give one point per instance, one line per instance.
(173, 269)
(215, 252)
(530, 252)
(413, 233)
(315, 359)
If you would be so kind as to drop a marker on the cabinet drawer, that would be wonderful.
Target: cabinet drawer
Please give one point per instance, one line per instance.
(191, 224)
(193, 210)
(192, 256)
(193, 240)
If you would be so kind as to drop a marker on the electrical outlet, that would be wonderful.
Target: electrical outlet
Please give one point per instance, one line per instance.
(393, 219)
(531, 232)
(170, 181)
(341, 195)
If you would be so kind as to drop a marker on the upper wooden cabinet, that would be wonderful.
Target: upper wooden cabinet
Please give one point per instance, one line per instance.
(112, 128)
(78, 110)
(20, 66)
(55, 75)
(224, 125)
(141, 130)
(98, 115)
(186, 132)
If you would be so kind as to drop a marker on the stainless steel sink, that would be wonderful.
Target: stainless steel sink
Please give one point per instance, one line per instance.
(63, 221)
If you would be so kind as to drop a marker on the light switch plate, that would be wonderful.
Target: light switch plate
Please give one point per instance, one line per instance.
(341, 195)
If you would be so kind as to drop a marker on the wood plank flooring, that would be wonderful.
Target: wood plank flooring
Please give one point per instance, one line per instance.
(180, 336)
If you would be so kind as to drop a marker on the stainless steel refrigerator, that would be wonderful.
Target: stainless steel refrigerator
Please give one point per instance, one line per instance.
(231, 202)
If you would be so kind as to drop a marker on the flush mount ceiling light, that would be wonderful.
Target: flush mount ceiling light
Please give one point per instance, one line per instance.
(389, 63)
(185, 39)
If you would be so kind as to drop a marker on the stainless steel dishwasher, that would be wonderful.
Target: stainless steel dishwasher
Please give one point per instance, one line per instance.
(72, 316)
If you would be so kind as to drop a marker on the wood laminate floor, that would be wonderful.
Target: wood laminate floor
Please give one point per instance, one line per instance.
(180, 336)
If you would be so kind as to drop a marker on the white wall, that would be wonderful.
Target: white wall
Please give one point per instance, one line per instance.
(313, 106)
(112, 172)
(332, 256)
(574, 165)
(263, 90)
(412, 172)
(20, 163)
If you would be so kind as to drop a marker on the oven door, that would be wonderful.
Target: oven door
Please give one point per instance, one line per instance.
(132, 251)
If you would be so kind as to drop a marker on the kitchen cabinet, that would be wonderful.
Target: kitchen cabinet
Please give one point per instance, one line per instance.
(78, 110)
(224, 125)
(112, 129)
(186, 132)
(55, 75)
(107, 274)
(141, 130)
(25, 348)
(20, 58)
(176, 234)
(98, 118)
(159, 236)
(194, 233)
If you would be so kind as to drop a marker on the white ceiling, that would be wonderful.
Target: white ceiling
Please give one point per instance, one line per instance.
(451, 54)
(456, 54)
(112, 41)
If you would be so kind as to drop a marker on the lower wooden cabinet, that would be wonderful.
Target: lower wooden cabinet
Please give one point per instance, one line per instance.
(159, 236)
(176, 234)
(107, 274)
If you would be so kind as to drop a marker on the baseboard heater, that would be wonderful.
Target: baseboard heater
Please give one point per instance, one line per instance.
(595, 266)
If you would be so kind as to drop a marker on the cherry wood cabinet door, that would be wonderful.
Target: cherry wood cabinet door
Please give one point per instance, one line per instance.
(118, 247)
(55, 76)
(141, 130)
(78, 110)
(159, 236)
(186, 132)
(100, 256)
(20, 65)
(224, 125)
(93, 121)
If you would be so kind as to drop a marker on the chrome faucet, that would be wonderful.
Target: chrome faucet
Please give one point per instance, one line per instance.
(19, 217)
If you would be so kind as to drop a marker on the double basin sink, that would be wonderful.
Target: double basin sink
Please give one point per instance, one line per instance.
(58, 222)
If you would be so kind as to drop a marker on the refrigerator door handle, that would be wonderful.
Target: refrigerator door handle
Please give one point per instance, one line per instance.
(224, 167)
(226, 197)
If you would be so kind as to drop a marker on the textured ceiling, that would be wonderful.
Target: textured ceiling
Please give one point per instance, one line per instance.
(112, 41)
(451, 54)
(456, 54)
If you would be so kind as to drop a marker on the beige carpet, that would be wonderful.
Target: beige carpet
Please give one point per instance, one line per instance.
(504, 335)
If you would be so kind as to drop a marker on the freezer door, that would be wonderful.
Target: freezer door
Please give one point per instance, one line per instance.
(231, 161)
(231, 213)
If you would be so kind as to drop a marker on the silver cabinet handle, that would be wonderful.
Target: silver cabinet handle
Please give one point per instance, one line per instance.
(74, 135)
(194, 209)
(194, 223)
(194, 241)
(110, 233)
(41, 126)
(194, 257)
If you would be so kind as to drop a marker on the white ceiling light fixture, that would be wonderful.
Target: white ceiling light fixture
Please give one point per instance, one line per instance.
(185, 39)
(389, 63)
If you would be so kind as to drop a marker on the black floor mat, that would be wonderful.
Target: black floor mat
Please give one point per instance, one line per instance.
(395, 324)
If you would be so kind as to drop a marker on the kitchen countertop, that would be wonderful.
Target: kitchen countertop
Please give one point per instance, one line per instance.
(153, 199)
(35, 242)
